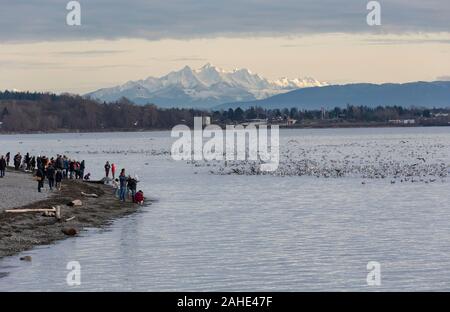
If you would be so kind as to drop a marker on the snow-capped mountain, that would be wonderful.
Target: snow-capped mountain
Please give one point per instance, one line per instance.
(202, 88)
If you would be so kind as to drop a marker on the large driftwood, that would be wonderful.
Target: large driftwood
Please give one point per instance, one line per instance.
(30, 210)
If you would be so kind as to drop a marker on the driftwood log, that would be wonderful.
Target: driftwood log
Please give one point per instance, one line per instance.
(30, 210)
(89, 195)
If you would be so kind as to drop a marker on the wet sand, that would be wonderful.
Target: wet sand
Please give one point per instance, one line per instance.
(23, 231)
(18, 189)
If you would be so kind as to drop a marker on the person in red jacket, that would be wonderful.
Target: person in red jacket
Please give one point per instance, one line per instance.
(113, 171)
(139, 197)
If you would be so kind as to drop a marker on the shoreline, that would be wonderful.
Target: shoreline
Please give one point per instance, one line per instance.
(22, 231)
(304, 126)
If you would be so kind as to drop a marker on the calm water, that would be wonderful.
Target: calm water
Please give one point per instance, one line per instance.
(247, 233)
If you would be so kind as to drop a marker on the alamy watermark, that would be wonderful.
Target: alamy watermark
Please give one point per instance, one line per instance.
(235, 143)
(374, 16)
(73, 18)
(73, 278)
(374, 275)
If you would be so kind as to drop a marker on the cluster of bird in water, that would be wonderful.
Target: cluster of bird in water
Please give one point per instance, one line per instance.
(152, 152)
(397, 162)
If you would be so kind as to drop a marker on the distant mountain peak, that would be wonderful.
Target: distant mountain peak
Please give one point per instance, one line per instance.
(203, 87)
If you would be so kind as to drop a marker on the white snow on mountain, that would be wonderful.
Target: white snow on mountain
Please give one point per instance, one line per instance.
(202, 88)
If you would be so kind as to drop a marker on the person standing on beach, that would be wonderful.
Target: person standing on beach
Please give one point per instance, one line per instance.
(71, 169)
(82, 167)
(2, 166)
(8, 156)
(40, 179)
(107, 168)
(58, 179)
(123, 185)
(66, 167)
(27, 161)
(59, 162)
(33, 163)
(17, 161)
(51, 176)
(132, 185)
(113, 170)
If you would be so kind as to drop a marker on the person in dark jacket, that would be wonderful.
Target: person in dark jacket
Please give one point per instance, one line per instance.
(132, 185)
(66, 167)
(82, 167)
(122, 185)
(27, 161)
(7, 157)
(51, 176)
(107, 168)
(40, 179)
(17, 161)
(59, 162)
(2, 166)
(33, 163)
(58, 179)
(71, 169)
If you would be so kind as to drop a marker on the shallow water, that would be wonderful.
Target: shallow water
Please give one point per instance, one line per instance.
(247, 233)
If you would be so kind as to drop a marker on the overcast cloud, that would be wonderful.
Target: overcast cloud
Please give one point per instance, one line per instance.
(37, 20)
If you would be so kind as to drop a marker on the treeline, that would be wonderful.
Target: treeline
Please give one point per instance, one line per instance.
(29, 112)
(349, 113)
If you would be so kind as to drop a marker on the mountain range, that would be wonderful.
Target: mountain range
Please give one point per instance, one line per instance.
(205, 88)
(419, 94)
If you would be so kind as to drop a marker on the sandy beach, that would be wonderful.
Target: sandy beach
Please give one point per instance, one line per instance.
(19, 189)
(22, 231)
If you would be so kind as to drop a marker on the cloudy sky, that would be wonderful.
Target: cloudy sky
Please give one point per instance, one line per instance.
(122, 40)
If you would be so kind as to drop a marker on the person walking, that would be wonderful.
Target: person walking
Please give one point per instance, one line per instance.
(2, 166)
(122, 185)
(107, 168)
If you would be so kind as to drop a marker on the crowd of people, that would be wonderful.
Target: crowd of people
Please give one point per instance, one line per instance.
(56, 169)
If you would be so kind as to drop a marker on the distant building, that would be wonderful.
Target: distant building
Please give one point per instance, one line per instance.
(291, 122)
(403, 121)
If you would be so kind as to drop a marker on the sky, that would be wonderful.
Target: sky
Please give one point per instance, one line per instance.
(119, 41)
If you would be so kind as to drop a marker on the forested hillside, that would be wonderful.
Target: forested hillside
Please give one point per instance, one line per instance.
(25, 112)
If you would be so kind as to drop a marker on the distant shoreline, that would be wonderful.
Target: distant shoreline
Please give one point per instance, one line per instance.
(306, 126)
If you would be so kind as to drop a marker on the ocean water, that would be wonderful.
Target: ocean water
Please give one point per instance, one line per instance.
(210, 231)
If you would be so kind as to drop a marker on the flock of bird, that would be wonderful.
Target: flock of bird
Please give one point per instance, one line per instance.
(402, 161)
